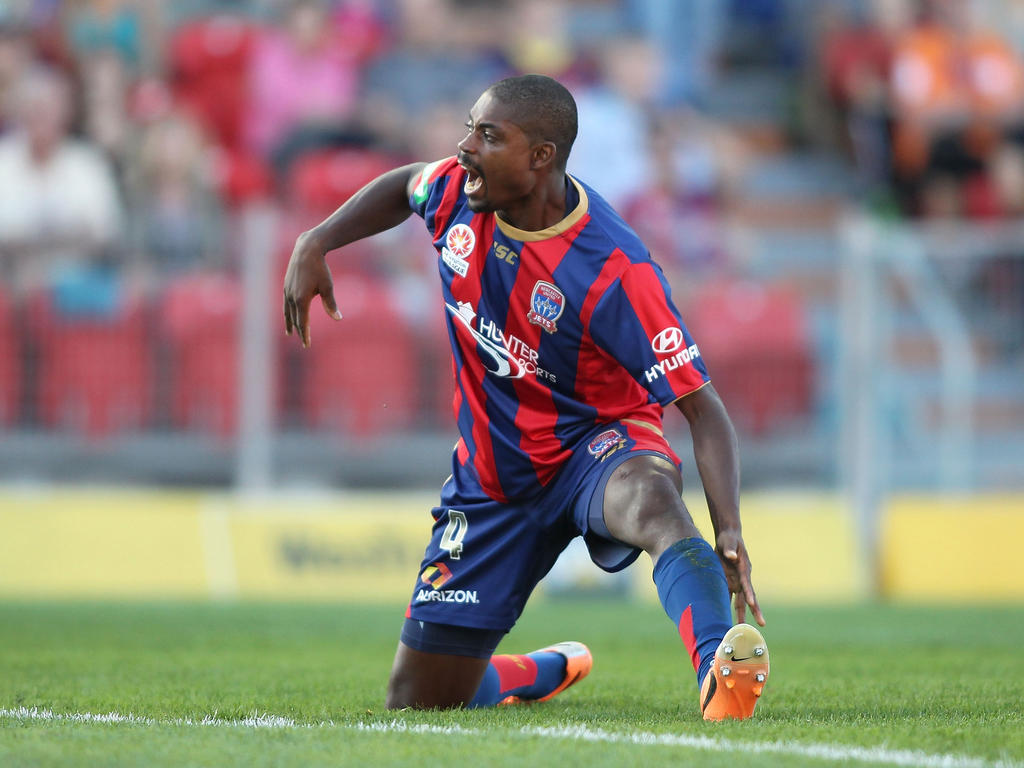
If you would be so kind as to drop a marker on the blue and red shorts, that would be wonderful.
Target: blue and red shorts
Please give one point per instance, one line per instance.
(485, 557)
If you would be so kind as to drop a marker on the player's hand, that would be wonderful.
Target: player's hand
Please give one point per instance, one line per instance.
(736, 561)
(307, 276)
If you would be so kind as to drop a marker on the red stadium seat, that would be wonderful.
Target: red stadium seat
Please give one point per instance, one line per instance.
(757, 346)
(242, 177)
(209, 62)
(10, 363)
(360, 373)
(95, 372)
(321, 181)
(200, 324)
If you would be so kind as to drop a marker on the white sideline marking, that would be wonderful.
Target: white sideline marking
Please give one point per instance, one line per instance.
(831, 752)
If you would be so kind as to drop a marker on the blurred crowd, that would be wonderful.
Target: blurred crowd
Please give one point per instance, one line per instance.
(131, 130)
(928, 98)
(135, 133)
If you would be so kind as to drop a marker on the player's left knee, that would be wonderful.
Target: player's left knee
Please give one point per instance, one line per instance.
(643, 505)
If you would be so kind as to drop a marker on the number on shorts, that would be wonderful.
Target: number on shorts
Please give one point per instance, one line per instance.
(454, 533)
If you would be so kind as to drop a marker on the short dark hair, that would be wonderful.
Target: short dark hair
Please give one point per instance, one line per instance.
(543, 108)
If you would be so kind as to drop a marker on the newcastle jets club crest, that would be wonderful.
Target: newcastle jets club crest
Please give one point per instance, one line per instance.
(546, 305)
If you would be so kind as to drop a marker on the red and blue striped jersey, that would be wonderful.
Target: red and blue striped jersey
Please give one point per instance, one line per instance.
(553, 333)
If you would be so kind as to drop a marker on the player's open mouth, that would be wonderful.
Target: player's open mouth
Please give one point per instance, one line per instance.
(474, 182)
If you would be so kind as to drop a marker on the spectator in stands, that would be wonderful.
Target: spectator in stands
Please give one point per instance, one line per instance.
(688, 35)
(176, 214)
(854, 54)
(431, 62)
(957, 89)
(112, 26)
(680, 212)
(613, 121)
(15, 57)
(304, 85)
(59, 204)
(539, 40)
(104, 101)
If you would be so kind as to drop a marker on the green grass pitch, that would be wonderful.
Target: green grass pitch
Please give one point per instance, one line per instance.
(850, 685)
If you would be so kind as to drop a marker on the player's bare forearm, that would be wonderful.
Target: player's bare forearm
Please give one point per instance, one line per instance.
(378, 206)
(716, 451)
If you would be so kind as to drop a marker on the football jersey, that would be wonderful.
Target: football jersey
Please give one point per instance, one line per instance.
(552, 332)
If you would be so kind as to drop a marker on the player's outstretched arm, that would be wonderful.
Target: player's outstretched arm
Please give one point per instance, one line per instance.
(716, 451)
(380, 205)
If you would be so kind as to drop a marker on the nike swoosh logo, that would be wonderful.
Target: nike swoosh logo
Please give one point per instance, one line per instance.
(743, 658)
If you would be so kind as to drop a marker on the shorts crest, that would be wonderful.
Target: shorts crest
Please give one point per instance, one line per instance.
(606, 444)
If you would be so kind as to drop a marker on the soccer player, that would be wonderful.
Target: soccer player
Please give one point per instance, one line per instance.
(566, 348)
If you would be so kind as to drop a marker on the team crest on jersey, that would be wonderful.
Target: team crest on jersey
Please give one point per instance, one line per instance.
(606, 443)
(546, 306)
(459, 244)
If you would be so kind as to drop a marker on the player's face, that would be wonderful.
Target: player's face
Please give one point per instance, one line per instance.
(496, 154)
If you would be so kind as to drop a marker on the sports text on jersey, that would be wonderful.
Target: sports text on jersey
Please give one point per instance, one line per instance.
(447, 596)
(678, 359)
(504, 253)
(512, 357)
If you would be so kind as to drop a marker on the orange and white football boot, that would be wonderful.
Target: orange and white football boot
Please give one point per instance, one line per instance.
(737, 676)
(578, 663)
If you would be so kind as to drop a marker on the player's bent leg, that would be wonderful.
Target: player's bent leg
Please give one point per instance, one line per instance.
(533, 677)
(643, 507)
(424, 680)
(439, 665)
(444, 666)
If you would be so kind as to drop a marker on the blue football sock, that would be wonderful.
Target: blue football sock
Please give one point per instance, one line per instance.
(528, 676)
(695, 595)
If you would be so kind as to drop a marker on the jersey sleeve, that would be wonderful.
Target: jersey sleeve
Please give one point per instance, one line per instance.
(637, 324)
(437, 181)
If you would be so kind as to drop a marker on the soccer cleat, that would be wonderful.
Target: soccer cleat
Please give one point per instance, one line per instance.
(578, 663)
(737, 676)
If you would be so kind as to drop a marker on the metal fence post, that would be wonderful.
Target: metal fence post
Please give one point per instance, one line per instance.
(253, 471)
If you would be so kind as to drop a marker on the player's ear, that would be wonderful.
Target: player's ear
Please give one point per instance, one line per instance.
(542, 154)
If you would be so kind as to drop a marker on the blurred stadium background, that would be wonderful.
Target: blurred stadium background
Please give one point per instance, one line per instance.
(835, 190)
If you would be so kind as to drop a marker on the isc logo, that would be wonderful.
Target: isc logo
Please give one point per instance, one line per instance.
(506, 254)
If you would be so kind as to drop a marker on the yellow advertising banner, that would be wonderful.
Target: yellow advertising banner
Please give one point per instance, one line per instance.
(101, 543)
(954, 548)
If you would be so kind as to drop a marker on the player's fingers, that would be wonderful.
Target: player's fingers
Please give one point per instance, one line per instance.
(741, 607)
(751, 599)
(287, 317)
(302, 320)
(330, 305)
(755, 608)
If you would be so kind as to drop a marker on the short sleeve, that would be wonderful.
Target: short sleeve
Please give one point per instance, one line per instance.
(429, 187)
(637, 324)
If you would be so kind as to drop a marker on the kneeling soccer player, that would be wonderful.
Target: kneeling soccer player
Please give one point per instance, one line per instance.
(566, 348)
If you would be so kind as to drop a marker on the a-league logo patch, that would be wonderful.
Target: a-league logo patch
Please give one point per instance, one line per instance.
(459, 244)
(606, 443)
(546, 306)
